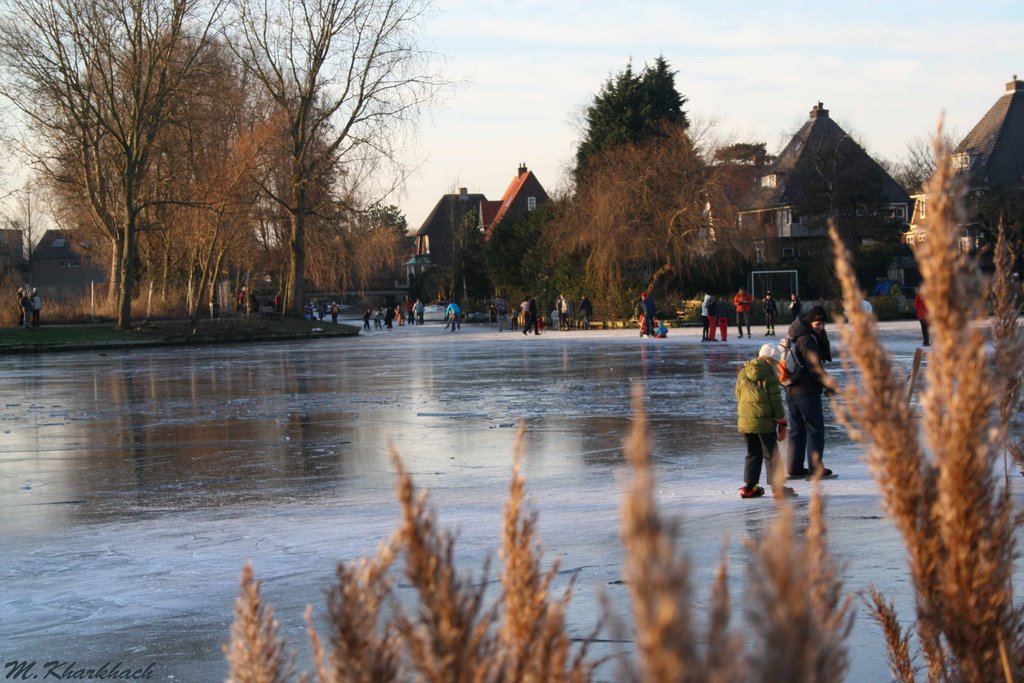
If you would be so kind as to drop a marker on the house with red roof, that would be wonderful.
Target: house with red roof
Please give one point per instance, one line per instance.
(434, 238)
(524, 194)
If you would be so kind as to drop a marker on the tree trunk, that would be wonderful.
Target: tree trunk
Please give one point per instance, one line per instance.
(124, 303)
(116, 252)
(296, 259)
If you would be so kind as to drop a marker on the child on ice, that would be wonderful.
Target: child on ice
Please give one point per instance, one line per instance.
(761, 418)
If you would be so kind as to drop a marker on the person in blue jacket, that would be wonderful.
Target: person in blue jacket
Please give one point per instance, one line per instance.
(452, 315)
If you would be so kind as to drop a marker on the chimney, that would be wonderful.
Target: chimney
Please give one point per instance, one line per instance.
(1015, 85)
(463, 194)
(522, 168)
(819, 111)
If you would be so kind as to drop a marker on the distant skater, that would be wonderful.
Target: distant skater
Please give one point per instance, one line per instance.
(704, 317)
(712, 309)
(922, 317)
(794, 307)
(649, 312)
(586, 310)
(741, 301)
(771, 309)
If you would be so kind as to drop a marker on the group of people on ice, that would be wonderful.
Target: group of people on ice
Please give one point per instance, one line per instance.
(714, 314)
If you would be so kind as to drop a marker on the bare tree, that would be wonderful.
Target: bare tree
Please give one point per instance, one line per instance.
(25, 213)
(94, 81)
(345, 75)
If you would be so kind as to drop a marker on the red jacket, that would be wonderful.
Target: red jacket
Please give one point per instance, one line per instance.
(742, 302)
(920, 308)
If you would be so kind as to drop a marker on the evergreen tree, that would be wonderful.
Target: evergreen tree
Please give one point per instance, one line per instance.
(631, 108)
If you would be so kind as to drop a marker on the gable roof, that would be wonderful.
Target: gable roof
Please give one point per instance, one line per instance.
(514, 201)
(434, 238)
(994, 149)
(488, 211)
(54, 244)
(796, 166)
(449, 211)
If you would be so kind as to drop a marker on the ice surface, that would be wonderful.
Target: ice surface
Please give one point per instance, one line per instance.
(135, 484)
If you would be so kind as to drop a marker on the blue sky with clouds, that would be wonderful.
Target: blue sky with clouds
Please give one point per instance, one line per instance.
(527, 69)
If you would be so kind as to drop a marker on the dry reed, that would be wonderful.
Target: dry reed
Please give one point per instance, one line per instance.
(795, 604)
(1009, 344)
(657, 574)
(533, 639)
(450, 639)
(954, 516)
(796, 607)
(256, 653)
(897, 639)
(364, 650)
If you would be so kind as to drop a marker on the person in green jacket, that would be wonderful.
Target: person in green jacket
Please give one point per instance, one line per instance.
(761, 420)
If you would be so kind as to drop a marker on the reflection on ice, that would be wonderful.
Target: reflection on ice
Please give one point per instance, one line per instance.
(135, 484)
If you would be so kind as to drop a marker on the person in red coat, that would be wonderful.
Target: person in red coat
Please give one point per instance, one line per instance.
(742, 301)
(922, 317)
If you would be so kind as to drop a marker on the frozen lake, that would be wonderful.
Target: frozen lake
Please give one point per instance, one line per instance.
(135, 484)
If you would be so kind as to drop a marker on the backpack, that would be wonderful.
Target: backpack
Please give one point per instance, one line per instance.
(789, 365)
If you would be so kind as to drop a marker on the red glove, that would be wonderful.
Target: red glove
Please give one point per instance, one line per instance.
(781, 428)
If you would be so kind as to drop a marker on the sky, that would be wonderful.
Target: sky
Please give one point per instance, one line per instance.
(526, 71)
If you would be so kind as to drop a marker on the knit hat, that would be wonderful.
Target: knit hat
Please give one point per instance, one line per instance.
(768, 351)
(818, 313)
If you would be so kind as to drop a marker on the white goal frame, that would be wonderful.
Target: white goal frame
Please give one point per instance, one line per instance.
(768, 276)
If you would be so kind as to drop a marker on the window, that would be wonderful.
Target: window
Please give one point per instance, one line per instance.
(59, 242)
(922, 205)
(794, 216)
(898, 212)
(788, 252)
(962, 161)
(769, 180)
(531, 203)
(759, 254)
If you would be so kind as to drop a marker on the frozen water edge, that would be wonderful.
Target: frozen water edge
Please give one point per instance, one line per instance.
(139, 563)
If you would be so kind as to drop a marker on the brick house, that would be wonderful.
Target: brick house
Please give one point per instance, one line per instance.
(434, 238)
(991, 157)
(821, 175)
(524, 194)
(58, 265)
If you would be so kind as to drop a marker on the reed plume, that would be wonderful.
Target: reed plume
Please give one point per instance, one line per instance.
(1008, 343)
(533, 639)
(658, 576)
(897, 639)
(256, 653)
(796, 607)
(955, 518)
(365, 647)
(449, 640)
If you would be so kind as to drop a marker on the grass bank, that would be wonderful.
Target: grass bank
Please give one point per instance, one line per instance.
(72, 337)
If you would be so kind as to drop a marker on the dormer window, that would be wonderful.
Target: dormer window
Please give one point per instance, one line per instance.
(769, 180)
(962, 161)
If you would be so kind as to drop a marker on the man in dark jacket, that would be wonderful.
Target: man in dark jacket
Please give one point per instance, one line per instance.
(803, 397)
